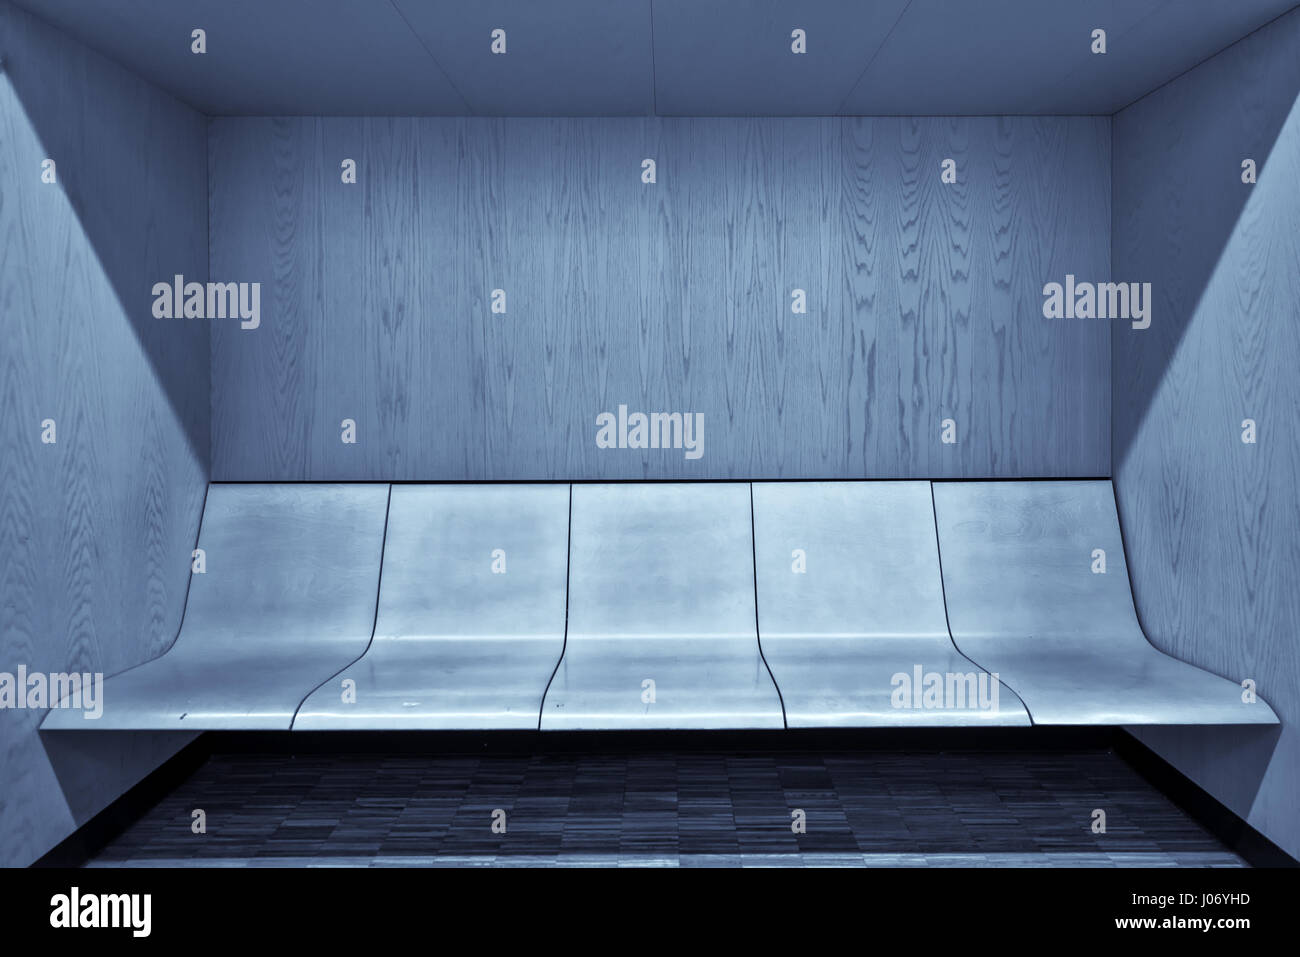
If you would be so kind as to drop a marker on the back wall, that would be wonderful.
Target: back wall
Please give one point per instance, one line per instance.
(923, 298)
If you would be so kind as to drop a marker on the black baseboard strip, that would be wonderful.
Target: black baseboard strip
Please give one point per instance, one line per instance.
(1198, 804)
(558, 742)
(88, 840)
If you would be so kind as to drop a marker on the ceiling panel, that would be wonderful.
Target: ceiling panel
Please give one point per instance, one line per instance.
(734, 57)
(267, 57)
(994, 56)
(1035, 56)
(1166, 42)
(563, 57)
(671, 57)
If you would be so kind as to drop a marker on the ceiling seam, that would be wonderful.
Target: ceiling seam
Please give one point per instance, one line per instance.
(1285, 13)
(420, 40)
(839, 111)
(654, 75)
(1125, 31)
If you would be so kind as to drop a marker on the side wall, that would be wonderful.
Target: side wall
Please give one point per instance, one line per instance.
(924, 299)
(96, 528)
(1213, 523)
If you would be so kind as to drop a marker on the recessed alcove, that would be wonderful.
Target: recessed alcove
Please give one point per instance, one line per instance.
(578, 370)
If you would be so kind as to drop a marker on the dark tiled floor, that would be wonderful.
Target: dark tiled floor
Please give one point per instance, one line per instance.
(862, 808)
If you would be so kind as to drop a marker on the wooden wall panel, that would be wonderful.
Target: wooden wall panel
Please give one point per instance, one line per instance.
(395, 243)
(450, 401)
(342, 227)
(275, 366)
(96, 529)
(924, 298)
(1213, 524)
(557, 281)
(803, 356)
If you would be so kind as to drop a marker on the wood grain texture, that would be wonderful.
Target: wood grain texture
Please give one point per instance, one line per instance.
(95, 530)
(924, 299)
(1212, 524)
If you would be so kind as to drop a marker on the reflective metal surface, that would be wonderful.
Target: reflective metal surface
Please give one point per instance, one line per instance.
(471, 613)
(287, 600)
(1023, 600)
(850, 610)
(661, 613)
